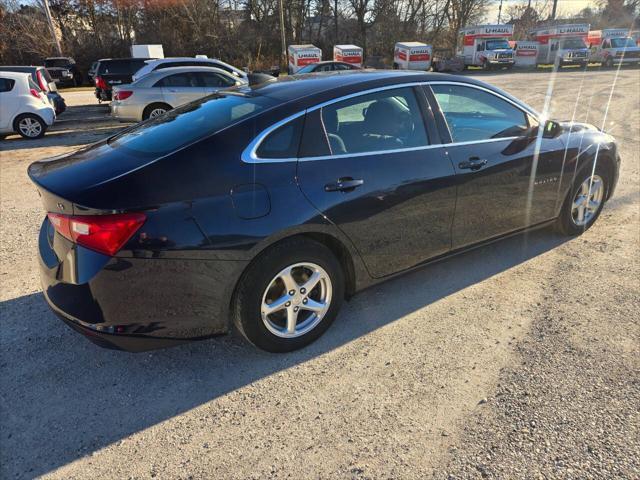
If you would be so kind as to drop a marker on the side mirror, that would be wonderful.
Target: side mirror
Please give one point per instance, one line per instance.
(551, 129)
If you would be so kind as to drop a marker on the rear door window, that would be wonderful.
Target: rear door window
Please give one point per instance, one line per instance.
(474, 115)
(178, 80)
(385, 120)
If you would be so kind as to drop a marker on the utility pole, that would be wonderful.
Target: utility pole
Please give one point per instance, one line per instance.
(553, 10)
(500, 12)
(51, 27)
(284, 39)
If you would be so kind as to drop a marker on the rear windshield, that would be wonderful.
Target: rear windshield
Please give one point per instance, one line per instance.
(56, 62)
(189, 123)
(120, 67)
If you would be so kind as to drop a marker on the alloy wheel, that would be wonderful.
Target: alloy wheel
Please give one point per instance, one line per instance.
(587, 200)
(156, 112)
(296, 300)
(30, 127)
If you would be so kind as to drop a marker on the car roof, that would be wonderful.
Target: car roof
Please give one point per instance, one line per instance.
(15, 75)
(142, 59)
(14, 68)
(309, 89)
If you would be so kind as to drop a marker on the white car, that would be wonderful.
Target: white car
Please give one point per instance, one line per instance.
(153, 65)
(24, 108)
(168, 88)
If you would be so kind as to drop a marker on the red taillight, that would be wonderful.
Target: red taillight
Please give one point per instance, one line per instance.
(122, 94)
(103, 233)
(35, 93)
(100, 83)
(41, 81)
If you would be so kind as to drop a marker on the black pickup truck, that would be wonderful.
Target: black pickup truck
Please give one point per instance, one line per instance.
(64, 71)
(115, 71)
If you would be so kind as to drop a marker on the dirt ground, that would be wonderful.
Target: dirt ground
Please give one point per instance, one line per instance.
(517, 360)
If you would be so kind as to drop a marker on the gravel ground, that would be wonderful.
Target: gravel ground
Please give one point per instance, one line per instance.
(517, 360)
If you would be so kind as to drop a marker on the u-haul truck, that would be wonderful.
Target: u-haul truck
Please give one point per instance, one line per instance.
(565, 44)
(613, 46)
(302, 55)
(486, 46)
(526, 53)
(348, 53)
(412, 56)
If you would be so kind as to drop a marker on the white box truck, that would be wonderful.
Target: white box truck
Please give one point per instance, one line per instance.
(147, 51)
(349, 54)
(486, 46)
(412, 56)
(526, 53)
(302, 55)
(565, 44)
(613, 46)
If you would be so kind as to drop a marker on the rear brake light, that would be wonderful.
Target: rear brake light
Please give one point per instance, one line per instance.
(41, 81)
(122, 95)
(103, 233)
(100, 83)
(35, 93)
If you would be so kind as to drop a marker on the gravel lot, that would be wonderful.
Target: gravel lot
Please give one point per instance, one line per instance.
(518, 360)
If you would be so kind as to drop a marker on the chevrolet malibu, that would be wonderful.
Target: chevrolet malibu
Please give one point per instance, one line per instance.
(264, 207)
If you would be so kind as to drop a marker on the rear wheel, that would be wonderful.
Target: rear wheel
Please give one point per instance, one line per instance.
(289, 296)
(608, 63)
(584, 203)
(30, 126)
(155, 110)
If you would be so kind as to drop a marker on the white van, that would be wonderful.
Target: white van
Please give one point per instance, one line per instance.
(301, 56)
(565, 44)
(613, 46)
(486, 46)
(412, 56)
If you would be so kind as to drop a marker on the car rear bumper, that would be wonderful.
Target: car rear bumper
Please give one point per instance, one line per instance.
(124, 112)
(135, 304)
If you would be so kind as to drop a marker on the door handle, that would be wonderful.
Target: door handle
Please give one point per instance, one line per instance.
(474, 163)
(345, 184)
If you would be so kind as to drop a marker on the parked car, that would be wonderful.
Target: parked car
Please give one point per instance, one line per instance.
(93, 70)
(165, 89)
(268, 205)
(161, 63)
(24, 108)
(64, 71)
(41, 76)
(114, 71)
(328, 66)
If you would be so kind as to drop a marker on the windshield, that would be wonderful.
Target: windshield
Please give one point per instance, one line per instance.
(56, 62)
(622, 42)
(307, 69)
(191, 122)
(497, 45)
(573, 42)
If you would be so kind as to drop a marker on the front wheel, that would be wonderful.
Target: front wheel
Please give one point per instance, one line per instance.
(608, 63)
(289, 295)
(584, 203)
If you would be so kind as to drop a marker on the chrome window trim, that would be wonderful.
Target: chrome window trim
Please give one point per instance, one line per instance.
(249, 153)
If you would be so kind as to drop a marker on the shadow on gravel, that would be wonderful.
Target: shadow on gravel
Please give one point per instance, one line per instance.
(64, 398)
(69, 138)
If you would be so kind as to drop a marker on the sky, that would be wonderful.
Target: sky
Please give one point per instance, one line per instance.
(565, 7)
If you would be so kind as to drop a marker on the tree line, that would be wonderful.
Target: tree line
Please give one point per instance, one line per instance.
(247, 32)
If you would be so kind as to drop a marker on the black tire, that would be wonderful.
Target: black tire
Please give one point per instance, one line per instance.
(608, 63)
(565, 223)
(259, 276)
(396, 66)
(154, 106)
(486, 66)
(32, 118)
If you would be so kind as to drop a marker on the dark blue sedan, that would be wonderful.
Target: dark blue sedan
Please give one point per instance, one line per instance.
(266, 206)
